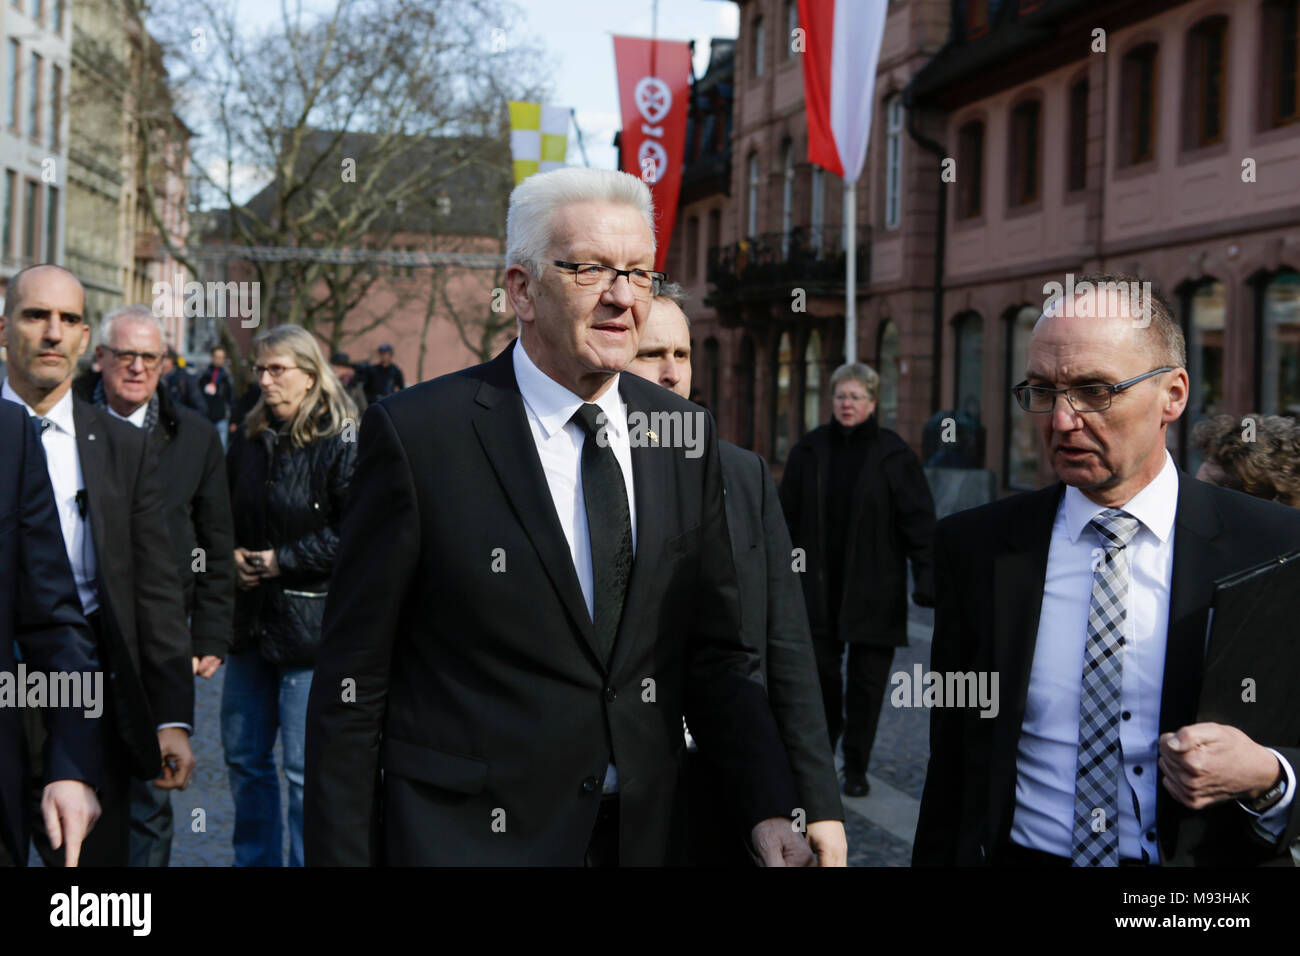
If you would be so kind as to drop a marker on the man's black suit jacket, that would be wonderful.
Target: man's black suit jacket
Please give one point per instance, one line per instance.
(196, 500)
(40, 610)
(774, 621)
(992, 565)
(458, 655)
(146, 643)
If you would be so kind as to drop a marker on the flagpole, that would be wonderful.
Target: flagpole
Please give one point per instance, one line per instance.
(850, 272)
(573, 115)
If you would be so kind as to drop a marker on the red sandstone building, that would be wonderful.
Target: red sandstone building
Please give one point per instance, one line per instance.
(1172, 152)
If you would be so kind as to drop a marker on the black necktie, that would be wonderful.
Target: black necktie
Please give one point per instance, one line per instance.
(609, 526)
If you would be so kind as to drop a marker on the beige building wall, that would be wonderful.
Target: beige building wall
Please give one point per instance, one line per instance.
(34, 50)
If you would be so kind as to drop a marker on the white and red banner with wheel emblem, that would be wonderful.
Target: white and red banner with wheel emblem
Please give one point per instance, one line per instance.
(654, 89)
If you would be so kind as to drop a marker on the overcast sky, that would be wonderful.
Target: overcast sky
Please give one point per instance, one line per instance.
(577, 35)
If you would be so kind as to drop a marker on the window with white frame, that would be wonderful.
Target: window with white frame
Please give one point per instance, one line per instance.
(787, 197)
(753, 195)
(893, 160)
(817, 224)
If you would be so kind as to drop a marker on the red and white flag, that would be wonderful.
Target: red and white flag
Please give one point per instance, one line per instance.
(842, 47)
(654, 85)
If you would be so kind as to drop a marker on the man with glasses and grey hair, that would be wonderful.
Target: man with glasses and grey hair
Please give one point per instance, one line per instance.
(1090, 599)
(527, 600)
(196, 501)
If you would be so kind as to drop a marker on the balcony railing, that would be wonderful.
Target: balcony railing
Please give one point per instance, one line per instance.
(769, 264)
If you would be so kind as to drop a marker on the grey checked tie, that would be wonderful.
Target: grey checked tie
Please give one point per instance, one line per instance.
(1098, 777)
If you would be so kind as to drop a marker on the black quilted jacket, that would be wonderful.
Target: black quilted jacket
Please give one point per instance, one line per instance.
(289, 499)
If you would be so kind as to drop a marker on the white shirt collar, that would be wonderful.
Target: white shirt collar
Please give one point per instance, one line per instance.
(1154, 506)
(136, 418)
(553, 404)
(60, 415)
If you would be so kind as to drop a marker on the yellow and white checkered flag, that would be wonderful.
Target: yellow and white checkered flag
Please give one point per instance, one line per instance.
(539, 136)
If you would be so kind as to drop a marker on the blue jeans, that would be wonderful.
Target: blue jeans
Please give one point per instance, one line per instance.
(259, 698)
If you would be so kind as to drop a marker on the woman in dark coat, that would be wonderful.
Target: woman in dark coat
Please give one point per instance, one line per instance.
(289, 466)
(859, 507)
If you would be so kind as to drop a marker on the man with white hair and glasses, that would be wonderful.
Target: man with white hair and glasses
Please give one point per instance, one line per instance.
(527, 601)
(196, 501)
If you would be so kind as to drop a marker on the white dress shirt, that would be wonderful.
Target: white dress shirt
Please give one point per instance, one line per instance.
(1047, 754)
(136, 418)
(64, 465)
(550, 406)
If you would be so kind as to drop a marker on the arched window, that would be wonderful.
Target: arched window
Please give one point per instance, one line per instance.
(1138, 105)
(887, 399)
(759, 47)
(1279, 348)
(781, 397)
(753, 195)
(893, 160)
(787, 197)
(969, 358)
(818, 211)
(970, 170)
(692, 247)
(745, 377)
(812, 381)
(1022, 436)
(1279, 63)
(1204, 80)
(1077, 160)
(1206, 308)
(1023, 170)
(712, 368)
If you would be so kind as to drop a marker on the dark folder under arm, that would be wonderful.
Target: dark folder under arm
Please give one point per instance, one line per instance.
(1252, 658)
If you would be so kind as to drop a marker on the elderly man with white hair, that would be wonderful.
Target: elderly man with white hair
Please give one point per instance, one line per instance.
(528, 599)
(197, 506)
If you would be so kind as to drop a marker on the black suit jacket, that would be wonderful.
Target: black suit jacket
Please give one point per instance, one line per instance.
(146, 644)
(774, 621)
(890, 521)
(40, 610)
(458, 654)
(992, 565)
(196, 497)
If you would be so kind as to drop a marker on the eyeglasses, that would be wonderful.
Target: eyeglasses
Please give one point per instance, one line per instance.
(275, 370)
(587, 274)
(1082, 398)
(125, 358)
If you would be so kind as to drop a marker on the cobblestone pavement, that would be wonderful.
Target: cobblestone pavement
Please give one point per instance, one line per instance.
(209, 790)
(898, 759)
(870, 845)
